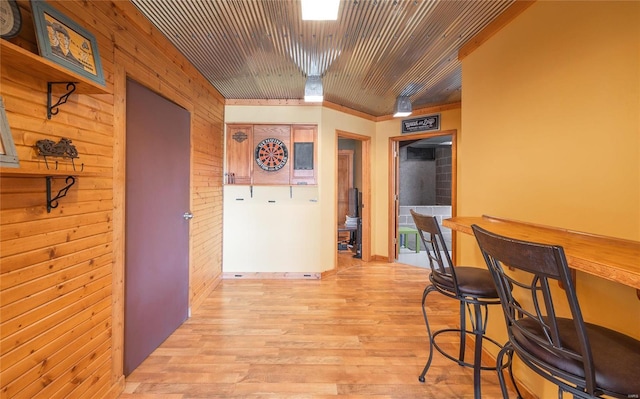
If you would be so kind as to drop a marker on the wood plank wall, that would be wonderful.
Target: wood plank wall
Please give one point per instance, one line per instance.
(61, 273)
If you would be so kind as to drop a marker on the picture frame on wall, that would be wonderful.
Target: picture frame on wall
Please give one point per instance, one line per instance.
(426, 123)
(8, 154)
(66, 43)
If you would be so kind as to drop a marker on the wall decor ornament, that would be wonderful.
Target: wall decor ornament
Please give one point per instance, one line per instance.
(271, 154)
(427, 123)
(10, 19)
(240, 136)
(63, 149)
(8, 154)
(66, 43)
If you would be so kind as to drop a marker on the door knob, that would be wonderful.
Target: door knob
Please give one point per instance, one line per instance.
(187, 215)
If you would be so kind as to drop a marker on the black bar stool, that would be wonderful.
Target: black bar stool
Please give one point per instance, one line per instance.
(471, 286)
(581, 358)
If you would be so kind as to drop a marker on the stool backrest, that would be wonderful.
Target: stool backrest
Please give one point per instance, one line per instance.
(437, 252)
(535, 325)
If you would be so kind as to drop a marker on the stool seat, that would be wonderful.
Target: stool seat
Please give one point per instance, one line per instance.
(615, 356)
(472, 281)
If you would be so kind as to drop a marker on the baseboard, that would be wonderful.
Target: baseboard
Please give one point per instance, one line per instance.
(271, 276)
(328, 273)
(196, 302)
(116, 389)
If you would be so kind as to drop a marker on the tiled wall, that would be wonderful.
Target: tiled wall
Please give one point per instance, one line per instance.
(443, 175)
(440, 212)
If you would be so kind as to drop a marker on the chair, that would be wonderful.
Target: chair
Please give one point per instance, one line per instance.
(471, 286)
(583, 359)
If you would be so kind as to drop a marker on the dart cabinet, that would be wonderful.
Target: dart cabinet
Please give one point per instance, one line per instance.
(271, 154)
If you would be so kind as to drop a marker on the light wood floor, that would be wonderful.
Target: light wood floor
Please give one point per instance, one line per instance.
(357, 334)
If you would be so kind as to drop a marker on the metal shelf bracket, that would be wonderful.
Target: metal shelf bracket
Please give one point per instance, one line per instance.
(52, 203)
(53, 109)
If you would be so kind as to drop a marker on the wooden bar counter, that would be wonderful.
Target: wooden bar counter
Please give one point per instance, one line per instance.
(611, 258)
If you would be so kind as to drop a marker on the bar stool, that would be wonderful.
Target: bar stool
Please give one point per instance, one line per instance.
(581, 358)
(471, 286)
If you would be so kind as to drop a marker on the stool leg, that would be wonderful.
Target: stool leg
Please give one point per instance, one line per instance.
(463, 334)
(506, 350)
(426, 322)
(477, 361)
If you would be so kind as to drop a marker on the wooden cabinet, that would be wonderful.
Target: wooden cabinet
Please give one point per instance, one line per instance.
(304, 166)
(264, 154)
(239, 146)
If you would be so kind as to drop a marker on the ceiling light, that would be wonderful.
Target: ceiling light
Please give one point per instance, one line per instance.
(320, 10)
(403, 106)
(313, 89)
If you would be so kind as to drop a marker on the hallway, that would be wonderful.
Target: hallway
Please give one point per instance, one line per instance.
(357, 334)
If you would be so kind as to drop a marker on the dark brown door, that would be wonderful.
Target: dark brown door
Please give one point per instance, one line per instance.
(157, 234)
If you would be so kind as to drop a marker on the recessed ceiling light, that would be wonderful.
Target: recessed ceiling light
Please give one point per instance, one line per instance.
(320, 10)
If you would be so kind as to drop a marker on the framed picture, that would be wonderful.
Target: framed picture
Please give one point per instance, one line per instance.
(66, 43)
(427, 123)
(8, 154)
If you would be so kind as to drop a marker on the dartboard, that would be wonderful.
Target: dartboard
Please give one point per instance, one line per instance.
(271, 154)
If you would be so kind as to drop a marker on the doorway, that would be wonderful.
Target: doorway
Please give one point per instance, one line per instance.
(422, 177)
(156, 233)
(353, 171)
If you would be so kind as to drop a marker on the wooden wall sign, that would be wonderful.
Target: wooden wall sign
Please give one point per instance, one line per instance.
(10, 19)
(427, 123)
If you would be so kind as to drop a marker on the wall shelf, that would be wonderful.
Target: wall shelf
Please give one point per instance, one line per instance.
(16, 57)
(49, 175)
(20, 172)
(22, 59)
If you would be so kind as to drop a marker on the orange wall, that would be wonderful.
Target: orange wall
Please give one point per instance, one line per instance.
(555, 96)
(551, 135)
